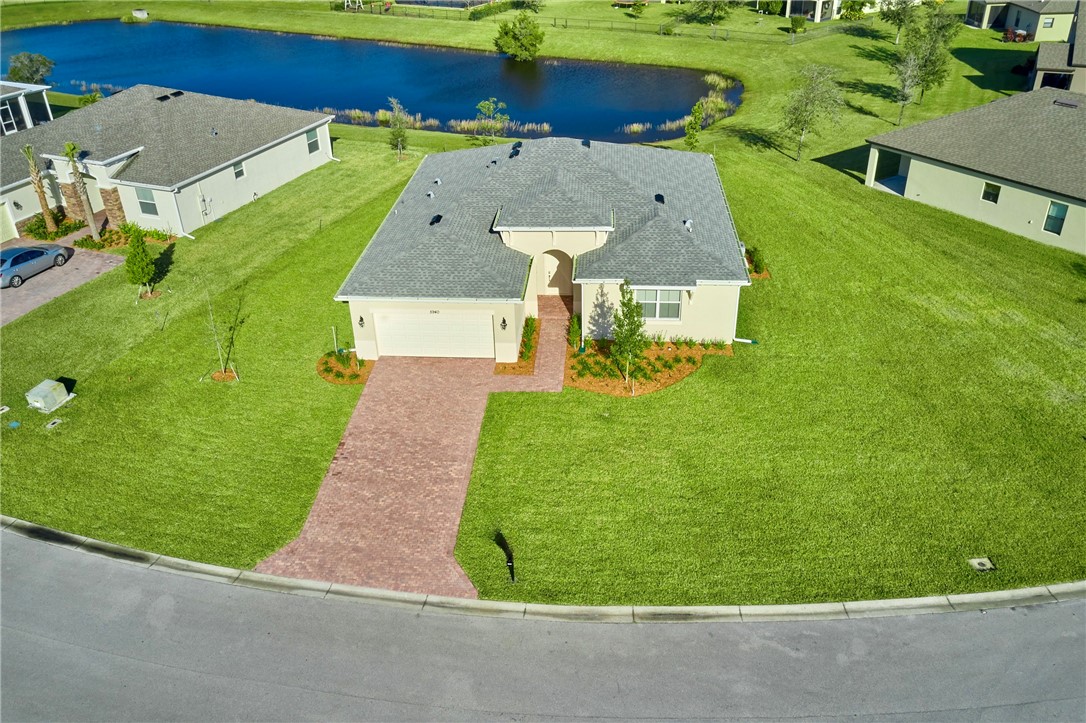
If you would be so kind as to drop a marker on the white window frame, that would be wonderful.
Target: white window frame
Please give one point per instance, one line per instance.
(146, 203)
(984, 190)
(239, 170)
(1049, 22)
(1063, 218)
(313, 141)
(657, 302)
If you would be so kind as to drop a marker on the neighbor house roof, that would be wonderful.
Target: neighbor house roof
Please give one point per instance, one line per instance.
(1049, 131)
(439, 241)
(1041, 7)
(179, 135)
(10, 88)
(1054, 57)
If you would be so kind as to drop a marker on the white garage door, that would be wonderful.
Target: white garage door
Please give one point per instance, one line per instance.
(425, 333)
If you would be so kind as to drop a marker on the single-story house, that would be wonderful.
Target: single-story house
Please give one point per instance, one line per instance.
(1015, 163)
(23, 106)
(163, 158)
(1062, 65)
(1045, 20)
(478, 235)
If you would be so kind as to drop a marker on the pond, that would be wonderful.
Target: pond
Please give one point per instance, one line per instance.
(576, 98)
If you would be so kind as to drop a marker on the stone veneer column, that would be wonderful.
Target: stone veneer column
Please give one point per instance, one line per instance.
(72, 205)
(111, 199)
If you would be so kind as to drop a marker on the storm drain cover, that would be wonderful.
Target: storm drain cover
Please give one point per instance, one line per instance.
(52, 423)
(981, 564)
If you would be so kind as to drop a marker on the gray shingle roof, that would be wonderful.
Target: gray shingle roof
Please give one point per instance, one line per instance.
(552, 182)
(182, 137)
(1047, 153)
(1078, 41)
(1046, 7)
(1054, 57)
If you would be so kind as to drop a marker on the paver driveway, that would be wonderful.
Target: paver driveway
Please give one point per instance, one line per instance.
(48, 285)
(389, 508)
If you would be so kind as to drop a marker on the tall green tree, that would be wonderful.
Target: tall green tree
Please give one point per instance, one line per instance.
(29, 68)
(932, 60)
(520, 39)
(71, 152)
(138, 264)
(907, 69)
(898, 13)
(693, 126)
(817, 100)
(490, 121)
(39, 189)
(709, 11)
(630, 339)
(398, 123)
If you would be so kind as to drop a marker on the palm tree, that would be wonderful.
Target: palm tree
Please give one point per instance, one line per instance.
(39, 188)
(71, 150)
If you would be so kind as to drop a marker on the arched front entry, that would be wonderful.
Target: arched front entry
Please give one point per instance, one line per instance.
(557, 274)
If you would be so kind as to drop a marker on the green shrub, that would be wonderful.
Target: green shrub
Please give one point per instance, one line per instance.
(667, 363)
(342, 358)
(138, 263)
(692, 360)
(485, 11)
(526, 341)
(853, 9)
(706, 344)
(128, 229)
(574, 335)
(668, 28)
(799, 23)
(35, 227)
(88, 242)
(757, 260)
(773, 7)
(337, 374)
(720, 344)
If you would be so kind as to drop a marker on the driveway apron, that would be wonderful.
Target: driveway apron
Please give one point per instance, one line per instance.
(388, 511)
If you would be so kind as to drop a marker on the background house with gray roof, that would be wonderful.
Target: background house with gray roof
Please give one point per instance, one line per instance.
(22, 106)
(164, 158)
(477, 236)
(1034, 186)
(1045, 20)
(1062, 65)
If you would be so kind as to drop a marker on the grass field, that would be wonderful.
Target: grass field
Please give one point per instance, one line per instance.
(917, 397)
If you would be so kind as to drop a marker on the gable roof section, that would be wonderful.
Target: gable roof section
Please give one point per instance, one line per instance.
(1054, 57)
(181, 137)
(1050, 140)
(556, 183)
(11, 89)
(1041, 7)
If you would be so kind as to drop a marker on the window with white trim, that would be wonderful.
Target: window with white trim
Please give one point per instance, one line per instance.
(990, 193)
(659, 303)
(1057, 212)
(146, 197)
(1049, 22)
(239, 170)
(313, 141)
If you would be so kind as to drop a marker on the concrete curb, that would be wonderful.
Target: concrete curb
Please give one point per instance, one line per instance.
(438, 605)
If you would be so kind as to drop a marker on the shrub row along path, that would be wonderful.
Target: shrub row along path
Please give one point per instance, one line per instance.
(389, 508)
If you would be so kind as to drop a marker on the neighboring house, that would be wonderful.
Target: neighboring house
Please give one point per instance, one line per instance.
(1062, 65)
(478, 235)
(1046, 20)
(22, 106)
(1016, 163)
(821, 10)
(164, 158)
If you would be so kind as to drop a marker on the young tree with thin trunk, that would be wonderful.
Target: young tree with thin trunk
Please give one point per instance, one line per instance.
(490, 122)
(693, 126)
(929, 40)
(817, 100)
(39, 189)
(908, 79)
(898, 13)
(71, 152)
(629, 331)
(398, 123)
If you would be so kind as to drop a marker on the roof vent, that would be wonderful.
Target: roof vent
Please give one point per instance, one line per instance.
(587, 143)
(689, 223)
(1065, 103)
(177, 93)
(437, 181)
(518, 144)
(514, 153)
(429, 194)
(214, 133)
(435, 220)
(163, 98)
(493, 161)
(659, 198)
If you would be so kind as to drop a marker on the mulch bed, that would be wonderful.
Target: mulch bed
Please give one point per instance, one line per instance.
(522, 366)
(356, 372)
(763, 274)
(150, 295)
(665, 378)
(224, 376)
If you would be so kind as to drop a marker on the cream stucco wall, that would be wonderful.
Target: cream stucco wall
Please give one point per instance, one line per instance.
(165, 219)
(706, 312)
(7, 224)
(1060, 32)
(22, 202)
(1020, 209)
(506, 342)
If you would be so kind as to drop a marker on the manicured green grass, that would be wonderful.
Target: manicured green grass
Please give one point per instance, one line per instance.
(917, 397)
(151, 453)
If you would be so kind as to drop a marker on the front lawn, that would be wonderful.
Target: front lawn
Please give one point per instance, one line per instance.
(153, 454)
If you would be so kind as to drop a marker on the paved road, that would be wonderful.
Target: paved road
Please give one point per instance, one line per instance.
(86, 638)
(48, 285)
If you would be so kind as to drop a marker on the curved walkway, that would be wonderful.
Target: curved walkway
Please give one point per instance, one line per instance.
(88, 638)
(389, 508)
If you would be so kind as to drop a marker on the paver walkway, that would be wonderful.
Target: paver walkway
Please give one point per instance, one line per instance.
(389, 508)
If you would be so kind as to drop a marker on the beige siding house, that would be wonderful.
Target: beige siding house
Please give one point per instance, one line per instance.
(1044, 20)
(164, 158)
(477, 236)
(1062, 65)
(1034, 187)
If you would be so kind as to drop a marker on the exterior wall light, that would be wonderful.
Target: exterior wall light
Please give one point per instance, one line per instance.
(361, 323)
(504, 324)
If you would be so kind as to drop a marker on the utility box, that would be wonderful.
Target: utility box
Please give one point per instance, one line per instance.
(47, 396)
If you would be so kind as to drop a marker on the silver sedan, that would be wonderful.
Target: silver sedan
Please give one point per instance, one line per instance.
(19, 263)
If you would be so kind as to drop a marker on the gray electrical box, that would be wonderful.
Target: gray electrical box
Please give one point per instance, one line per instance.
(47, 396)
